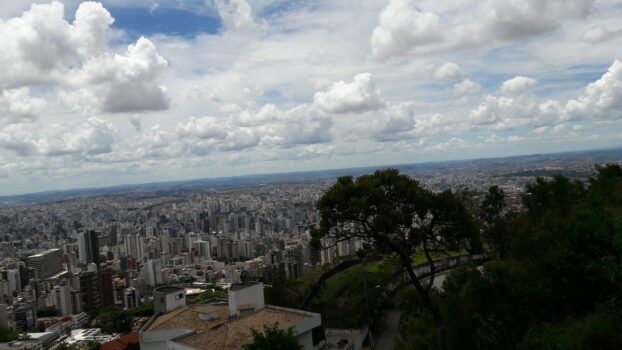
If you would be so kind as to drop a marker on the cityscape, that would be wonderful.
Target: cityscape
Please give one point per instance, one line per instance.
(78, 256)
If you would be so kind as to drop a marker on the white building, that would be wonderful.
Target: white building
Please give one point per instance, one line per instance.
(62, 299)
(221, 324)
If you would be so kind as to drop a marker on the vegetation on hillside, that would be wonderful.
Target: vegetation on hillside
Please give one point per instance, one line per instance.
(555, 284)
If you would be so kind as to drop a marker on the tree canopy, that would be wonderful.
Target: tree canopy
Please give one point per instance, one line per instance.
(274, 338)
(392, 214)
(559, 287)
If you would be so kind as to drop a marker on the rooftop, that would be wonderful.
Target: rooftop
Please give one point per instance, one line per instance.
(188, 317)
(238, 286)
(237, 332)
(168, 289)
(38, 255)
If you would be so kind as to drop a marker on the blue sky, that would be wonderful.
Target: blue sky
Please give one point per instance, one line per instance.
(98, 94)
(140, 21)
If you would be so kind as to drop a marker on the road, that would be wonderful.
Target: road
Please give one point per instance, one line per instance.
(389, 334)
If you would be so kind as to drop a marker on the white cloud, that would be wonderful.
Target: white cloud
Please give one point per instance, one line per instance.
(93, 137)
(41, 47)
(517, 85)
(236, 15)
(601, 99)
(598, 34)
(453, 143)
(16, 105)
(448, 72)
(358, 96)
(122, 83)
(466, 87)
(402, 27)
(394, 122)
(266, 127)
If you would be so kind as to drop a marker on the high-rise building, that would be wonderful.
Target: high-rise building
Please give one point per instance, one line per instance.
(106, 287)
(62, 299)
(24, 317)
(90, 298)
(47, 263)
(134, 246)
(96, 291)
(88, 247)
(130, 298)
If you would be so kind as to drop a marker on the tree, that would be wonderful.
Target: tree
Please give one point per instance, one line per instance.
(393, 214)
(491, 216)
(48, 311)
(274, 338)
(245, 276)
(7, 335)
(113, 320)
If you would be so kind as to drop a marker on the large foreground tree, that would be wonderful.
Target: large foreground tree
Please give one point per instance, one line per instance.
(394, 215)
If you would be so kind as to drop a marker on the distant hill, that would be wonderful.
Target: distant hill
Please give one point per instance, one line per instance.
(595, 156)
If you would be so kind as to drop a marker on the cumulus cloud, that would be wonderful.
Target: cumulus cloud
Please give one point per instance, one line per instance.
(466, 87)
(448, 72)
(517, 85)
(16, 105)
(601, 99)
(93, 137)
(237, 15)
(121, 83)
(358, 96)
(404, 29)
(268, 126)
(394, 122)
(598, 34)
(41, 48)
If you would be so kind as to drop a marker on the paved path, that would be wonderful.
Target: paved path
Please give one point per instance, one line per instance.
(390, 332)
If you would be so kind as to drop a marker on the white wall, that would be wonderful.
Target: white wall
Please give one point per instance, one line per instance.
(252, 294)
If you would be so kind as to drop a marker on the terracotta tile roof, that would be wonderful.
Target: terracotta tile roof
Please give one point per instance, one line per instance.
(121, 343)
(237, 332)
(188, 317)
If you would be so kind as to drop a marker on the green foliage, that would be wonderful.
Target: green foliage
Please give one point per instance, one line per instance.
(559, 285)
(49, 311)
(82, 345)
(274, 338)
(113, 320)
(391, 212)
(492, 220)
(142, 310)
(7, 335)
(215, 293)
(245, 276)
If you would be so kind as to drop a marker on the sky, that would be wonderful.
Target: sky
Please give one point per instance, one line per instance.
(116, 92)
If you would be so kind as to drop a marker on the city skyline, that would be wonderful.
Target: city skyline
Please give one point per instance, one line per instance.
(108, 94)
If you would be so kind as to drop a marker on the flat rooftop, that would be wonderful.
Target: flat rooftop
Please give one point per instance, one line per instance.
(188, 317)
(214, 329)
(169, 289)
(238, 332)
(238, 286)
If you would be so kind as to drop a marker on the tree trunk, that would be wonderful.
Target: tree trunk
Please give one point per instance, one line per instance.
(427, 301)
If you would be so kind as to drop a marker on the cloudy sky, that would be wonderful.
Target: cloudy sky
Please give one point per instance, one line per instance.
(97, 94)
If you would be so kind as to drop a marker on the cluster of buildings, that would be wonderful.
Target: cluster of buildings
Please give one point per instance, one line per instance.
(225, 324)
(63, 262)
